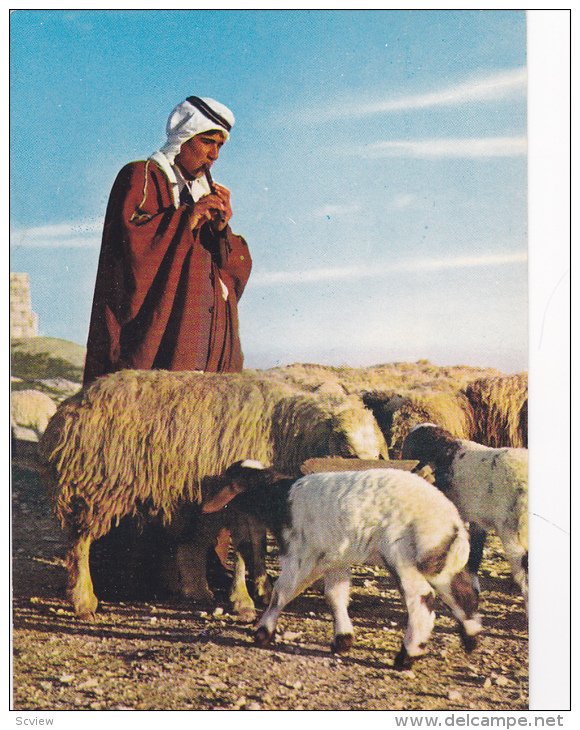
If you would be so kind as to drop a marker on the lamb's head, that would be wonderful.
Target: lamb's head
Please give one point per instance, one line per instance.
(356, 433)
(247, 477)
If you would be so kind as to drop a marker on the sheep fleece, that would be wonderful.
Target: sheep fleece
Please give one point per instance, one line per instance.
(146, 439)
(497, 487)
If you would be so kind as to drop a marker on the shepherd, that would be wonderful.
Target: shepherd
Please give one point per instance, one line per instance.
(171, 271)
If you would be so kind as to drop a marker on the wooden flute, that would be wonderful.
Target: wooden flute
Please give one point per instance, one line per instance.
(219, 216)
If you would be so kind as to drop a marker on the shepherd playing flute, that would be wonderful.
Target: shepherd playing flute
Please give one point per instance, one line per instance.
(171, 271)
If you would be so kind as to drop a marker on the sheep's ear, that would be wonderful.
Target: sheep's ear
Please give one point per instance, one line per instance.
(222, 498)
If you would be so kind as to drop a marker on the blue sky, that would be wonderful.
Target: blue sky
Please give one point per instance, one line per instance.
(377, 168)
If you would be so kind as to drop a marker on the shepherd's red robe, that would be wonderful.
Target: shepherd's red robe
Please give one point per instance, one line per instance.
(158, 301)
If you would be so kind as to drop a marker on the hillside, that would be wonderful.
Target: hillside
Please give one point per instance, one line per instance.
(48, 364)
(54, 347)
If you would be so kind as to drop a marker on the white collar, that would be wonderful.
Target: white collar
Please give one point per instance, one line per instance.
(198, 187)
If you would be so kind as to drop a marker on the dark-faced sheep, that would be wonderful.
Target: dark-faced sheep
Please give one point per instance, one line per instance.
(326, 522)
(489, 487)
(142, 442)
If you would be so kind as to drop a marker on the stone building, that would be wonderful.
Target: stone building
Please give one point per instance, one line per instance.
(23, 321)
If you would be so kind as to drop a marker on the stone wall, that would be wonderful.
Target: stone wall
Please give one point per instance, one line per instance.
(23, 321)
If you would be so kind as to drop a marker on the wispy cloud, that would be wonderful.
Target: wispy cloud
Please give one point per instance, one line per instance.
(403, 200)
(472, 147)
(337, 211)
(494, 87)
(274, 278)
(74, 234)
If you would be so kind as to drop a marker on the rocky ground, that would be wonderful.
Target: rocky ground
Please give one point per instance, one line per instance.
(171, 656)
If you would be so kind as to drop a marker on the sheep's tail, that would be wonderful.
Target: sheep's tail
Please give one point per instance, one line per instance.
(444, 568)
(437, 559)
(448, 557)
(454, 585)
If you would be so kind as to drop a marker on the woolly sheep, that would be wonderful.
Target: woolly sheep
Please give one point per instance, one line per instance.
(500, 407)
(326, 522)
(142, 442)
(488, 485)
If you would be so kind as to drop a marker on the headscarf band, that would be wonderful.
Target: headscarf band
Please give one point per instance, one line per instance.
(210, 113)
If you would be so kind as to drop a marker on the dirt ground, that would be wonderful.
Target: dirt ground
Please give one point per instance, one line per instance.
(172, 656)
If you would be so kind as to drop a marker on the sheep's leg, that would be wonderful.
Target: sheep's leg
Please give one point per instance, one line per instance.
(263, 588)
(249, 542)
(262, 582)
(239, 597)
(458, 593)
(291, 582)
(517, 557)
(222, 546)
(337, 593)
(192, 567)
(249, 538)
(80, 590)
(477, 537)
(192, 558)
(419, 599)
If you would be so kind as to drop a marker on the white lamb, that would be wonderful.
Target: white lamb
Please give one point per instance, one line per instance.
(326, 522)
(489, 486)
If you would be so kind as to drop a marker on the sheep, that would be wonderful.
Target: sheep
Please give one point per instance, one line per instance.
(327, 521)
(30, 412)
(142, 442)
(384, 405)
(488, 485)
(500, 406)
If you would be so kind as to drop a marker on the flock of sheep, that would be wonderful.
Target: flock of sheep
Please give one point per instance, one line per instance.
(201, 451)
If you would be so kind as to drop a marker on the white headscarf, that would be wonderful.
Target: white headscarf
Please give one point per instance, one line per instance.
(194, 116)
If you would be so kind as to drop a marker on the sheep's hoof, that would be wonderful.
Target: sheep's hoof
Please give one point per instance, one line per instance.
(245, 614)
(238, 604)
(202, 596)
(85, 610)
(403, 660)
(86, 615)
(469, 642)
(341, 644)
(263, 637)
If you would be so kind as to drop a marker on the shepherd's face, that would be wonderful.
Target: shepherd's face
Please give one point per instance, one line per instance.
(199, 152)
